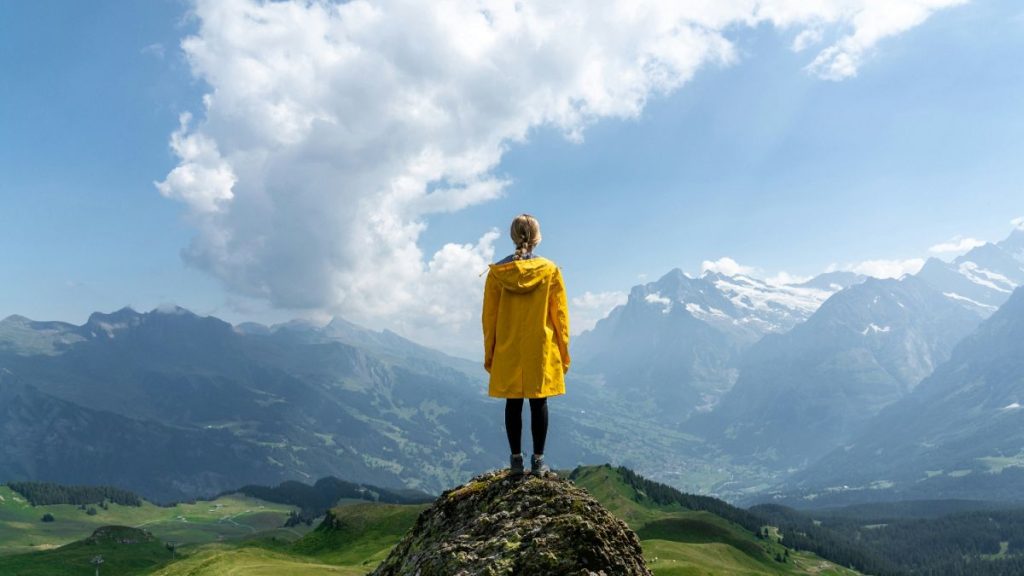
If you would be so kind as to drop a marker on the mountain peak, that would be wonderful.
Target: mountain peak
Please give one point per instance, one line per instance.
(983, 252)
(297, 325)
(673, 277)
(172, 309)
(110, 323)
(123, 313)
(1014, 243)
(15, 319)
(832, 281)
(502, 524)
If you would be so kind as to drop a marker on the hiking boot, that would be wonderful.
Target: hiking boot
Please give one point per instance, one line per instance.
(537, 465)
(516, 465)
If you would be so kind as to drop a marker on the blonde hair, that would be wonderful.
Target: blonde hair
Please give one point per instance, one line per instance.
(525, 234)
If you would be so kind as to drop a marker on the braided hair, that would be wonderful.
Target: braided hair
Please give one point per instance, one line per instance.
(525, 234)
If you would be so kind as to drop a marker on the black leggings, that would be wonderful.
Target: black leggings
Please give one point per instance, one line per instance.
(538, 423)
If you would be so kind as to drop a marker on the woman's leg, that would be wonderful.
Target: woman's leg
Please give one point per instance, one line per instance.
(514, 424)
(539, 423)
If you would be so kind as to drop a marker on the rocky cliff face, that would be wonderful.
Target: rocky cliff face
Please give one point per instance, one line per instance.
(497, 524)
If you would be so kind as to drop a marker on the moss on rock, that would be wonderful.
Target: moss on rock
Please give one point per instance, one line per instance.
(497, 525)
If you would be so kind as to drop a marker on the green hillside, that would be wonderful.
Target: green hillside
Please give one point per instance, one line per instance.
(355, 537)
(228, 517)
(222, 560)
(123, 550)
(678, 541)
(359, 534)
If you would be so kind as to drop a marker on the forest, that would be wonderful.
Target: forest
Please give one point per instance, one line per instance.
(47, 493)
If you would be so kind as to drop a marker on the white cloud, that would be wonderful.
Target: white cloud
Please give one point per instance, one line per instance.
(784, 278)
(1018, 222)
(884, 268)
(156, 49)
(587, 309)
(332, 131)
(807, 38)
(871, 21)
(726, 266)
(203, 179)
(956, 245)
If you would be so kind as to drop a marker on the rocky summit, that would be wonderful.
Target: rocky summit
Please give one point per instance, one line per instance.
(498, 524)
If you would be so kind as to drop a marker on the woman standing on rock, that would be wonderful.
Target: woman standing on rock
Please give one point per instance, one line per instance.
(526, 338)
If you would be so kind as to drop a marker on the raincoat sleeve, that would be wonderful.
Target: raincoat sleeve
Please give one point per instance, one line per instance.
(558, 308)
(492, 296)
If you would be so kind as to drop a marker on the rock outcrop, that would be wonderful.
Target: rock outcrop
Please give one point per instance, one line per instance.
(497, 524)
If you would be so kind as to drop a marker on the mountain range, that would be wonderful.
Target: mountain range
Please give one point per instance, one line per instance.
(780, 394)
(723, 384)
(176, 405)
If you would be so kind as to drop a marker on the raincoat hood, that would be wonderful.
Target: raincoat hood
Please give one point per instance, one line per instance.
(525, 320)
(521, 276)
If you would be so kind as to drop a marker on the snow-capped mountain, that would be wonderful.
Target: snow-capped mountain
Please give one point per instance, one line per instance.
(761, 307)
(802, 393)
(983, 278)
(741, 305)
(676, 341)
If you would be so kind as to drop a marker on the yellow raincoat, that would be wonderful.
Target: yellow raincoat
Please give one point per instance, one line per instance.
(526, 329)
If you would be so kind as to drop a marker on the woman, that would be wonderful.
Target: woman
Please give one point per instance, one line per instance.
(526, 338)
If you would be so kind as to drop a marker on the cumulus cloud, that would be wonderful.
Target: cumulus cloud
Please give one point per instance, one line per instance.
(883, 268)
(203, 179)
(726, 266)
(332, 131)
(956, 245)
(1018, 222)
(587, 309)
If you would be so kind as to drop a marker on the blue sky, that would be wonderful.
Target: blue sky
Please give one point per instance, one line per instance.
(758, 160)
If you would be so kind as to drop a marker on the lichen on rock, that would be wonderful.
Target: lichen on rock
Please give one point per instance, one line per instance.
(498, 524)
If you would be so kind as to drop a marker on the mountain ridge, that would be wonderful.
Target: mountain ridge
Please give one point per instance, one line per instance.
(957, 434)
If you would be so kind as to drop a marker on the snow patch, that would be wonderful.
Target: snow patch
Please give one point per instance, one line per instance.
(753, 294)
(111, 329)
(874, 329)
(657, 298)
(697, 311)
(955, 296)
(986, 278)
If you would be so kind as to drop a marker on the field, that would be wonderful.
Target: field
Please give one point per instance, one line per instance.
(240, 536)
(222, 560)
(229, 517)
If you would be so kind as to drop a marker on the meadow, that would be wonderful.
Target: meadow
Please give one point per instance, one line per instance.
(235, 536)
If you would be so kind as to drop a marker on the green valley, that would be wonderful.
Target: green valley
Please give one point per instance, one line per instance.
(235, 535)
(230, 517)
